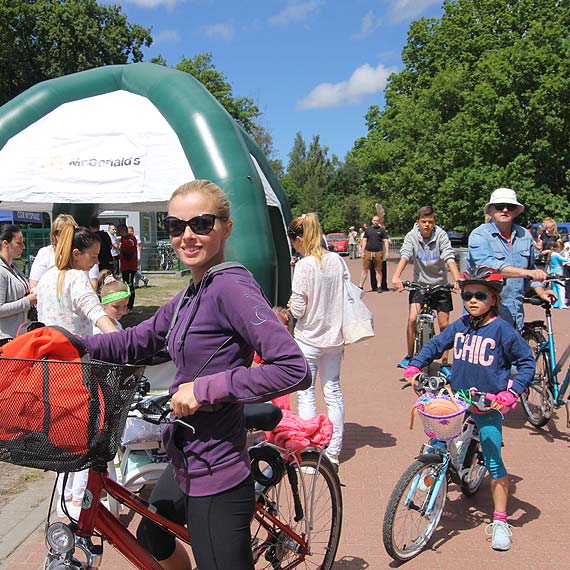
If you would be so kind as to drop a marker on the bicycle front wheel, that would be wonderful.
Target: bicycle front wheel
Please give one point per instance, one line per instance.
(538, 400)
(321, 524)
(424, 333)
(476, 470)
(408, 526)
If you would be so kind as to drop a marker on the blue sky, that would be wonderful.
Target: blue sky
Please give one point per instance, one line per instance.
(312, 66)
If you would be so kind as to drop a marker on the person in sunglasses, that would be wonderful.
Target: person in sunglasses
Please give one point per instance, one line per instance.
(211, 331)
(484, 349)
(509, 248)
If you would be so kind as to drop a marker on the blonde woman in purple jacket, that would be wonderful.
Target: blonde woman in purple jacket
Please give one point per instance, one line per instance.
(211, 330)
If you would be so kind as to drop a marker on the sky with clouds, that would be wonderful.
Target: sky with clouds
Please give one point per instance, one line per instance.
(312, 66)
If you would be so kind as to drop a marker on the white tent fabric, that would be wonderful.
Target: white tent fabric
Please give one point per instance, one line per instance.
(115, 149)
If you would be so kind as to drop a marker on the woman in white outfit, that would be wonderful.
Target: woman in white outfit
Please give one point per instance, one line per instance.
(45, 257)
(316, 302)
(66, 298)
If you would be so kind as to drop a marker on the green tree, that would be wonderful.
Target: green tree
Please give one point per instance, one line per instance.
(43, 39)
(309, 173)
(482, 101)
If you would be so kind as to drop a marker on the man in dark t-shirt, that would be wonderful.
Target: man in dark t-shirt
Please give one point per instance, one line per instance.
(105, 257)
(375, 244)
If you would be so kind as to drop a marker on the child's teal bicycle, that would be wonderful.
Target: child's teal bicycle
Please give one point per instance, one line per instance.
(453, 454)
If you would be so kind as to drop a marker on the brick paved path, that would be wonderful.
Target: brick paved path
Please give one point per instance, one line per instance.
(379, 446)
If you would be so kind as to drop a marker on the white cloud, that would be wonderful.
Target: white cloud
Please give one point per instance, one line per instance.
(369, 23)
(154, 3)
(223, 31)
(365, 80)
(409, 9)
(166, 37)
(295, 12)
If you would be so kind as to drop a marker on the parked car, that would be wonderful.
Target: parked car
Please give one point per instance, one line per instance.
(457, 238)
(338, 242)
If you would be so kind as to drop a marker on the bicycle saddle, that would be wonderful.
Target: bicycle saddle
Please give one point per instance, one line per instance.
(262, 416)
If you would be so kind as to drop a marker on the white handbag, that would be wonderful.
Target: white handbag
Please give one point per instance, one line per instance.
(357, 321)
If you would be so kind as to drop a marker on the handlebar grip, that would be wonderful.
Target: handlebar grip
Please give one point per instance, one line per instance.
(480, 400)
(537, 301)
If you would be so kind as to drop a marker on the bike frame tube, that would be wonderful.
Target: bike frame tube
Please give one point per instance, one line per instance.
(96, 518)
(438, 483)
(124, 541)
(261, 515)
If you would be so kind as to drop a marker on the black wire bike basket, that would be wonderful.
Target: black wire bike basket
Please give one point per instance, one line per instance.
(62, 416)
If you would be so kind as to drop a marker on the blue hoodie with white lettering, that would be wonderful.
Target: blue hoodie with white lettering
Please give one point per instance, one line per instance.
(482, 357)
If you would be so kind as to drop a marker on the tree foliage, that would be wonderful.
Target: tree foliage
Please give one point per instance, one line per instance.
(483, 101)
(309, 174)
(43, 39)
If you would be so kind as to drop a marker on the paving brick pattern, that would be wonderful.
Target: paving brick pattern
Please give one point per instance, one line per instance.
(379, 446)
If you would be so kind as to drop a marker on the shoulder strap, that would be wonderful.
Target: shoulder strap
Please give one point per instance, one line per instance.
(215, 269)
(345, 271)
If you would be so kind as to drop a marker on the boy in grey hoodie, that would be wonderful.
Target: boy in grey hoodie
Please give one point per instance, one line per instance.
(430, 251)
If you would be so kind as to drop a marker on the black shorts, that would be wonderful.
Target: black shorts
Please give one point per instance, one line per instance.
(440, 300)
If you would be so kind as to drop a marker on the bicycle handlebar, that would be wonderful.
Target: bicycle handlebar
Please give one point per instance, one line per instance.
(415, 286)
(156, 409)
(433, 384)
(538, 302)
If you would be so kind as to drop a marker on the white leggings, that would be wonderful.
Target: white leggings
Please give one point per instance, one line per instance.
(76, 485)
(327, 362)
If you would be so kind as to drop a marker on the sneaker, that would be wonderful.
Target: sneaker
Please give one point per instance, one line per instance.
(404, 362)
(500, 533)
(445, 371)
(146, 280)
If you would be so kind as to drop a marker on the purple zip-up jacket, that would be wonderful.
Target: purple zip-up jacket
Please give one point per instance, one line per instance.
(229, 318)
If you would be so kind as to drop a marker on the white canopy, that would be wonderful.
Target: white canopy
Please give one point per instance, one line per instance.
(115, 149)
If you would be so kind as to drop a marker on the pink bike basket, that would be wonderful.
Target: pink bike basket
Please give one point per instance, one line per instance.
(441, 426)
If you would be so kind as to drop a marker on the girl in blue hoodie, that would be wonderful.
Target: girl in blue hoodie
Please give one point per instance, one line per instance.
(484, 349)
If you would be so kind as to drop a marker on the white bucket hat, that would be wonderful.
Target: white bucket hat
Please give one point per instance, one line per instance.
(504, 196)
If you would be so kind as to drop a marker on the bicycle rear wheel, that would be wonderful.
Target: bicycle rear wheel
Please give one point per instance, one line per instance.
(272, 547)
(407, 528)
(538, 400)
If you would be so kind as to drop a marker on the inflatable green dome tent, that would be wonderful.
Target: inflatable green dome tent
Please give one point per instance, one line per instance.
(124, 137)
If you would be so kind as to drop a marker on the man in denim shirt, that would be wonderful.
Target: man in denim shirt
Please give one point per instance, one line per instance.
(508, 247)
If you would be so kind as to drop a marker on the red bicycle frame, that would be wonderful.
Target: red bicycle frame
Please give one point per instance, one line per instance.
(95, 518)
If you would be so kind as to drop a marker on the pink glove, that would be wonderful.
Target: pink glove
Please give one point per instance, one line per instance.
(410, 372)
(507, 399)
